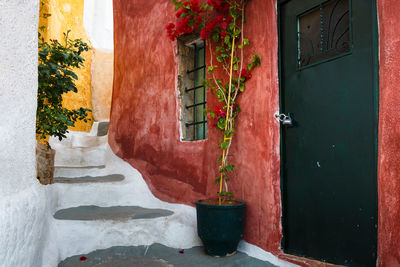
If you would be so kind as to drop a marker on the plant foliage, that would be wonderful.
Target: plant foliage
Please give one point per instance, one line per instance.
(57, 63)
(221, 23)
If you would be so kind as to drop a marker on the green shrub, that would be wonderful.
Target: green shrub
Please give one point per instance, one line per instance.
(56, 77)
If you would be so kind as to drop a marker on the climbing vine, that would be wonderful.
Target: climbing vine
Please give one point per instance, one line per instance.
(221, 24)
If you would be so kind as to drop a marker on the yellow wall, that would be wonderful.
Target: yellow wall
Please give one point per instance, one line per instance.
(102, 82)
(68, 15)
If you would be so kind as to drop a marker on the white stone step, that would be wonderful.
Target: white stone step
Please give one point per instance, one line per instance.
(71, 172)
(113, 213)
(80, 156)
(79, 237)
(88, 141)
(90, 179)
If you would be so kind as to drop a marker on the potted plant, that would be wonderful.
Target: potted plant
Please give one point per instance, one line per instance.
(56, 77)
(220, 221)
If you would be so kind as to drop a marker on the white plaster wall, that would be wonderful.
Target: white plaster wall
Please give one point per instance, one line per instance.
(23, 214)
(98, 22)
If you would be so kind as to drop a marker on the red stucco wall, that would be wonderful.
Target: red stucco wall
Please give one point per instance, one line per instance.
(144, 126)
(389, 134)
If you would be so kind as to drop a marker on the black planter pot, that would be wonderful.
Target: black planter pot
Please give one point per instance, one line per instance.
(220, 227)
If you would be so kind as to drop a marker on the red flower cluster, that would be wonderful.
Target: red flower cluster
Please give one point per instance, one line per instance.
(195, 6)
(213, 24)
(245, 74)
(172, 34)
(191, 14)
(218, 5)
(180, 11)
(183, 25)
(220, 113)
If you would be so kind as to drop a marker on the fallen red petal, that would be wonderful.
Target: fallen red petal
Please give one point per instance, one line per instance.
(83, 258)
(182, 251)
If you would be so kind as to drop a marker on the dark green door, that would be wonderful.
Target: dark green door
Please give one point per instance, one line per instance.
(328, 85)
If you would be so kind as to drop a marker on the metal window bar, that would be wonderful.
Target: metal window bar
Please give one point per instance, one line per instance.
(196, 68)
(195, 123)
(195, 105)
(193, 88)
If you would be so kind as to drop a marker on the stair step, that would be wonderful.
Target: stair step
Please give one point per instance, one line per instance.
(116, 213)
(102, 129)
(158, 255)
(65, 171)
(90, 179)
(87, 141)
(80, 156)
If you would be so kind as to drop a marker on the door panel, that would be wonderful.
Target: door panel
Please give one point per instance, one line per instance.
(329, 186)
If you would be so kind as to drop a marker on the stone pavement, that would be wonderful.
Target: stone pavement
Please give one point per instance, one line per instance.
(158, 255)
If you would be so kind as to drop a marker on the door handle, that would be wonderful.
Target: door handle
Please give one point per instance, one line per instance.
(284, 119)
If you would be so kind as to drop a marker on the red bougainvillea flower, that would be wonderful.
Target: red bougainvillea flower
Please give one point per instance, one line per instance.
(219, 5)
(219, 111)
(210, 26)
(223, 34)
(83, 258)
(172, 34)
(195, 6)
(180, 11)
(204, 34)
(183, 26)
(246, 75)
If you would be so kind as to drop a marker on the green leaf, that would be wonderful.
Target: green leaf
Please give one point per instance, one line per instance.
(224, 145)
(215, 37)
(221, 124)
(229, 168)
(211, 68)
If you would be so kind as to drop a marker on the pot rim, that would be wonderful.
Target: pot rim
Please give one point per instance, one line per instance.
(241, 204)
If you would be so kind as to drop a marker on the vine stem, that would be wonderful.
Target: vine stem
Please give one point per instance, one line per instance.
(213, 75)
(227, 112)
(240, 74)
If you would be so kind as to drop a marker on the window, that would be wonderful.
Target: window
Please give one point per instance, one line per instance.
(192, 93)
(324, 32)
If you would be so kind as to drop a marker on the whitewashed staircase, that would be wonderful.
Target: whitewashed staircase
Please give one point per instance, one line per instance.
(102, 201)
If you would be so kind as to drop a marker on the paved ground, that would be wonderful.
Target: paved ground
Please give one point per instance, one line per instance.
(158, 255)
(116, 213)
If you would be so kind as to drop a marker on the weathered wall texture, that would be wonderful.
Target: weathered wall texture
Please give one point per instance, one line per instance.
(102, 83)
(22, 199)
(389, 134)
(98, 21)
(68, 15)
(145, 129)
(145, 117)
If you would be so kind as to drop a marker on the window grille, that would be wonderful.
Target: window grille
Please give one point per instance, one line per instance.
(198, 126)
